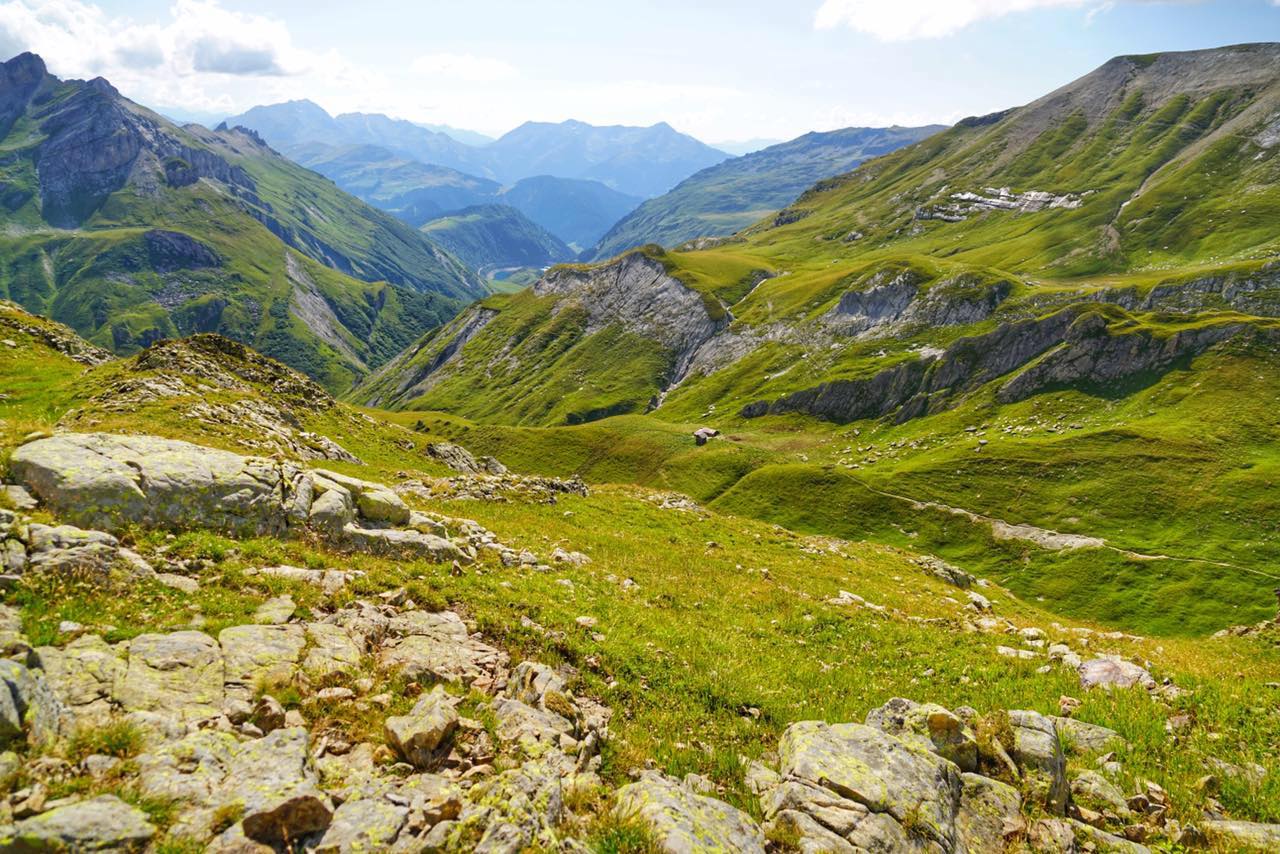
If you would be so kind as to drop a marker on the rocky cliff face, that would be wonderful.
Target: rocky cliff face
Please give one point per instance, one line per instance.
(639, 293)
(1069, 348)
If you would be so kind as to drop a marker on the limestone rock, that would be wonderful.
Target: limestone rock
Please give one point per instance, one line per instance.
(257, 655)
(273, 780)
(178, 673)
(990, 813)
(104, 823)
(683, 821)
(1038, 753)
(518, 809)
(189, 770)
(83, 675)
(1242, 835)
(364, 825)
(332, 511)
(863, 765)
(419, 735)
(106, 481)
(930, 726)
(406, 544)
(534, 730)
(1113, 673)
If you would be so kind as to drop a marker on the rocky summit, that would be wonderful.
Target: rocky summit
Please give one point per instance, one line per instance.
(921, 499)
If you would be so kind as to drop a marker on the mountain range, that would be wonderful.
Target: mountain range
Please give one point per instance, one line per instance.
(130, 229)
(636, 161)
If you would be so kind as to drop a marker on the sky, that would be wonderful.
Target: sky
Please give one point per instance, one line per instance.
(722, 70)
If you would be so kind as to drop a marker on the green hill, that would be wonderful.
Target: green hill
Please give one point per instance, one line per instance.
(732, 195)
(1064, 317)
(130, 229)
(488, 237)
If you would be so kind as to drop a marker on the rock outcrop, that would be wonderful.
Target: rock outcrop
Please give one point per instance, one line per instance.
(108, 481)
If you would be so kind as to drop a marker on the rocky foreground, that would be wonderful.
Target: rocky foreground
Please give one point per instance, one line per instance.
(491, 756)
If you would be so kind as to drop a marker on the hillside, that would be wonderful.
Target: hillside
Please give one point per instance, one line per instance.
(732, 195)
(224, 659)
(1032, 378)
(408, 189)
(488, 237)
(131, 229)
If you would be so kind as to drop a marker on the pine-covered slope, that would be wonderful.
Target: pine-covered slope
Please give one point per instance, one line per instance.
(131, 229)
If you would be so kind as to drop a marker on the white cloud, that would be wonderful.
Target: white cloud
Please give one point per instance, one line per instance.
(201, 37)
(903, 20)
(464, 66)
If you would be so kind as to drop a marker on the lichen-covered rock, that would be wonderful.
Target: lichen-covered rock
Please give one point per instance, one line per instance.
(1113, 673)
(1091, 790)
(683, 822)
(419, 735)
(330, 649)
(190, 770)
(1082, 737)
(825, 821)
(1242, 835)
(1093, 839)
(275, 784)
(99, 480)
(436, 647)
(930, 726)
(104, 823)
(332, 511)
(1038, 752)
(363, 825)
(534, 730)
(275, 611)
(28, 705)
(515, 811)
(403, 543)
(66, 548)
(257, 655)
(180, 674)
(990, 814)
(83, 675)
(864, 765)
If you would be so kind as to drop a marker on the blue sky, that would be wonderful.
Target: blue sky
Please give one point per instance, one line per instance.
(720, 70)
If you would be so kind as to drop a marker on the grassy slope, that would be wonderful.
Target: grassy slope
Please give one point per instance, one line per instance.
(682, 667)
(730, 196)
(489, 236)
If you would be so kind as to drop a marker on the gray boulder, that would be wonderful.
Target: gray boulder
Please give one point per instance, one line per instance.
(83, 675)
(930, 726)
(99, 480)
(1113, 673)
(275, 784)
(66, 548)
(1242, 836)
(1038, 752)
(104, 823)
(684, 822)
(363, 825)
(419, 735)
(864, 765)
(180, 674)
